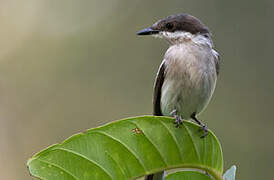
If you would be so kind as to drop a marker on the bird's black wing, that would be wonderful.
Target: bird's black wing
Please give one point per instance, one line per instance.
(158, 90)
(157, 108)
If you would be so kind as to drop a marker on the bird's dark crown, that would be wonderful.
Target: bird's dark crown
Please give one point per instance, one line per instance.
(181, 22)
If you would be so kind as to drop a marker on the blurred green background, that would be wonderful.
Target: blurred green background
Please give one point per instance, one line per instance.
(66, 66)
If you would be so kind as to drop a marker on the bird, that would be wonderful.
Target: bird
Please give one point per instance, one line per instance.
(187, 76)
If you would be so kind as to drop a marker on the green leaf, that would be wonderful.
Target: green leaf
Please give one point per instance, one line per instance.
(230, 173)
(127, 149)
(188, 175)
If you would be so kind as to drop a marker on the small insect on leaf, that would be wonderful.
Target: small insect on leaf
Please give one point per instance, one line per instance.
(137, 131)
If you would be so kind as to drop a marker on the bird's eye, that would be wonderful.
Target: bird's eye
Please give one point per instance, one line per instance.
(169, 26)
(206, 35)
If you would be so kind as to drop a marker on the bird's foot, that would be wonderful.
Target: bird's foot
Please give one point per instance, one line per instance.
(205, 130)
(203, 127)
(178, 120)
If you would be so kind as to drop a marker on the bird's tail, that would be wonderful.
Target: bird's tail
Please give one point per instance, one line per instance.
(156, 176)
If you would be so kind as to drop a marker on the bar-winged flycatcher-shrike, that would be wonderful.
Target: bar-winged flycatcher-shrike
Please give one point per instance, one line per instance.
(187, 76)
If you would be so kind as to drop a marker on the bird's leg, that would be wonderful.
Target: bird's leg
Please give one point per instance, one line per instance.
(203, 126)
(178, 120)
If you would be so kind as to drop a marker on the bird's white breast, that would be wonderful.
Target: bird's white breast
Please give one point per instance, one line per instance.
(190, 78)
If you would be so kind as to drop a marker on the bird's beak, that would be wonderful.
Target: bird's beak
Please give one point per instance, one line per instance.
(147, 31)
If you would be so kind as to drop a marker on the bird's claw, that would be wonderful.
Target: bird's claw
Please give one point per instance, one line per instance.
(178, 121)
(205, 130)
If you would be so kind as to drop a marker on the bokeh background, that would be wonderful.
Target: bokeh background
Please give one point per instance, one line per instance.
(66, 66)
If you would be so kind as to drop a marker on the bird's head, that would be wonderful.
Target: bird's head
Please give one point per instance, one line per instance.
(177, 28)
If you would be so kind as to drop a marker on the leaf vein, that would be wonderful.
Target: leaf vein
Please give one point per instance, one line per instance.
(162, 157)
(120, 168)
(123, 144)
(59, 167)
(86, 158)
(194, 145)
(174, 138)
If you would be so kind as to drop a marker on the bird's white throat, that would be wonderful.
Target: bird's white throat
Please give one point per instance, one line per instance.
(179, 37)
